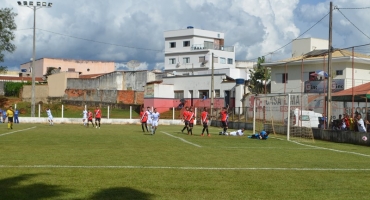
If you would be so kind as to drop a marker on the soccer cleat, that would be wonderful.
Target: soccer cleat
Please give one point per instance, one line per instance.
(202, 134)
(96, 127)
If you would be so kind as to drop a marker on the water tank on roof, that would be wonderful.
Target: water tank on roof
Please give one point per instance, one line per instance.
(239, 81)
(190, 27)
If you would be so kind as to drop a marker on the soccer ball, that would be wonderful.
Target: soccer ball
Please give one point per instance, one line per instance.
(364, 138)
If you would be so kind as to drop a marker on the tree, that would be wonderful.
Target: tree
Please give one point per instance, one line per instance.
(3, 69)
(7, 26)
(259, 77)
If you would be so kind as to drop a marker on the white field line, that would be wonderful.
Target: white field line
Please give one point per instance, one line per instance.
(181, 139)
(335, 150)
(181, 168)
(308, 148)
(17, 131)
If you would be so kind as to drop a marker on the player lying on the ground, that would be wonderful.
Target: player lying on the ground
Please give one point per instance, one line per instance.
(239, 132)
(263, 135)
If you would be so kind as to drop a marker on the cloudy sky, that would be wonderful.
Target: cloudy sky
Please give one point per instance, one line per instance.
(120, 31)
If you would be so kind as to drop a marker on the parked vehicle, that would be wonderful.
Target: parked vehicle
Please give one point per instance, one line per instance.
(304, 118)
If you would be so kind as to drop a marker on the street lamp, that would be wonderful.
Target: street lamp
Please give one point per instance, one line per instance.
(34, 8)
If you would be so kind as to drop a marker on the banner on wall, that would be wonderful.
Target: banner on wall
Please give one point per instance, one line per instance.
(320, 86)
(149, 90)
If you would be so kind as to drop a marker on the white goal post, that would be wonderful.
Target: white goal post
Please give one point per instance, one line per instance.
(285, 114)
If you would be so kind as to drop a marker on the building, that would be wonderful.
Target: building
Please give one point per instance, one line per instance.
(67, 65)
(189, 52)
(194, 90)
(304, 45)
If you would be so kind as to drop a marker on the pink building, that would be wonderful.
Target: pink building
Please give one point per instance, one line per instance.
(83, 67)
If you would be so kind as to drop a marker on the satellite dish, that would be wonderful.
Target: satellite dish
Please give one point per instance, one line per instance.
(133, 64)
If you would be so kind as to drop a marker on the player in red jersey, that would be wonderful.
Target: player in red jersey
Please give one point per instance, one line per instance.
(144, 118)
(224, 117)
(191, 117)
(89, 118)
(204, 120)
(97, 116)
(185, 117)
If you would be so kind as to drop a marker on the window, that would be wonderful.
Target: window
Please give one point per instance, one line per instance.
(172, 61)
(203, 94)
(186, 43)
(230, 61)
(284, 77)
(339, 72)
(71, 69)
(304, 118)
(172, 44)
(179, 94)
(215, 59)
(186, 60)
(217, 93)
(222, 60)
(202, 58)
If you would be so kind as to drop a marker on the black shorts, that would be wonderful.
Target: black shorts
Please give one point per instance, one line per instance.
(224, 123)
(186, 123)
(89, 120)
(10, 119)
(205, 124)
(97, 119)
(191, 124)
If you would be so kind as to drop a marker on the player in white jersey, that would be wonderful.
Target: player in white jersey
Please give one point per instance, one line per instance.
(155, 117)
(50, 116)
(239, 132)
(149, 121)
(84, 117)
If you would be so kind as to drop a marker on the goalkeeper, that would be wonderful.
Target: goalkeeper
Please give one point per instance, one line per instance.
(263, 135)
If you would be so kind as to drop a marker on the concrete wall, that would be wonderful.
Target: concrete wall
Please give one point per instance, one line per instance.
(2, 84)
(58, 83)
(41, 93)
(118, 80)
(106, 96)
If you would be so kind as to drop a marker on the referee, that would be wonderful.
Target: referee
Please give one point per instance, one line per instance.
(10, 115)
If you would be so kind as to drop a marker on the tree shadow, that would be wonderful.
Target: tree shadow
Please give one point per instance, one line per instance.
(13, 188)
(121, 193)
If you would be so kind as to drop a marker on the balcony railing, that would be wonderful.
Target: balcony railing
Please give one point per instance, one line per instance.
(213, 47)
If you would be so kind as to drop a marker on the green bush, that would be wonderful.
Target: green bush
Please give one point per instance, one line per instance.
(12, 88)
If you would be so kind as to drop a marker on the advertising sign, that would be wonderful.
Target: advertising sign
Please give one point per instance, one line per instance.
(321, 87)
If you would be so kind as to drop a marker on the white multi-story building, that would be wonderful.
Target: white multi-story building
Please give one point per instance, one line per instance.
(189, 52)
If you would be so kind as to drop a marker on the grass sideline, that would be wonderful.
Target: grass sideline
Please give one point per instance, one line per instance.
(65, 161)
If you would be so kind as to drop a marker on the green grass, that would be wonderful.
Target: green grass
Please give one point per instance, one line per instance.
(120, 162)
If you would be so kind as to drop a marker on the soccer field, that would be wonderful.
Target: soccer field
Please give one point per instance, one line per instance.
(64, 161)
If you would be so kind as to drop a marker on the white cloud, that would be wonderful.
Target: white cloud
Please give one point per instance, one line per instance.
(255, 27)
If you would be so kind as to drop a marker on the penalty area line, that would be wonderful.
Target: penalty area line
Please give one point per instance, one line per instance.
(186, 168)
(335, 150)
(17, 131)
(181, 139)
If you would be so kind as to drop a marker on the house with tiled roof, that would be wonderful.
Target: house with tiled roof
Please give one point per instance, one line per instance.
(299, 74)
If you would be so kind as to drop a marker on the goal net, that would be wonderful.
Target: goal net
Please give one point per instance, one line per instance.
(285, 115)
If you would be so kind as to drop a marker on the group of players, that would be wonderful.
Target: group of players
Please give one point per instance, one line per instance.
(150, 118)
(88, 117)
(188, 116)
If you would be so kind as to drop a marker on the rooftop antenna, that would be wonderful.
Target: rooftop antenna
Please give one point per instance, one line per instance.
(133, 64)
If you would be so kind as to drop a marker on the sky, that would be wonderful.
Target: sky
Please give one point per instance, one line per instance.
(120, 31)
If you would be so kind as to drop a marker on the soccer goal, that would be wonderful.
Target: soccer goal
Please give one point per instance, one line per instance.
(287, 114)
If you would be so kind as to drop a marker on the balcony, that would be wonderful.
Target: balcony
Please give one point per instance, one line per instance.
(196, 47)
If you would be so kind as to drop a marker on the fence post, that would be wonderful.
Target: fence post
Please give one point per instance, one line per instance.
(173, 113)
(239, 114)
(15, 106)
(39, 110)
(130, 112)
(108, 112)
(62, 111)
(85, 107)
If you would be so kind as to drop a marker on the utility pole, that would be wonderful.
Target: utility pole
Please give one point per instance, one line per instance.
(330, 78)
(212, 86)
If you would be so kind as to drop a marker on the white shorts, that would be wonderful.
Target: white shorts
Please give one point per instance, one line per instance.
(149, 121)
(155, 123)
(50, 118)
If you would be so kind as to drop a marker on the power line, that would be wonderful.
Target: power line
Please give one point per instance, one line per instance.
(293, 39)
(352, 23)
(354, 8)
(107, 43)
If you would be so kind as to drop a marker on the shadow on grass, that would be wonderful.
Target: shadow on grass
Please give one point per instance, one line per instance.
(121, 193)
(13, 188)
